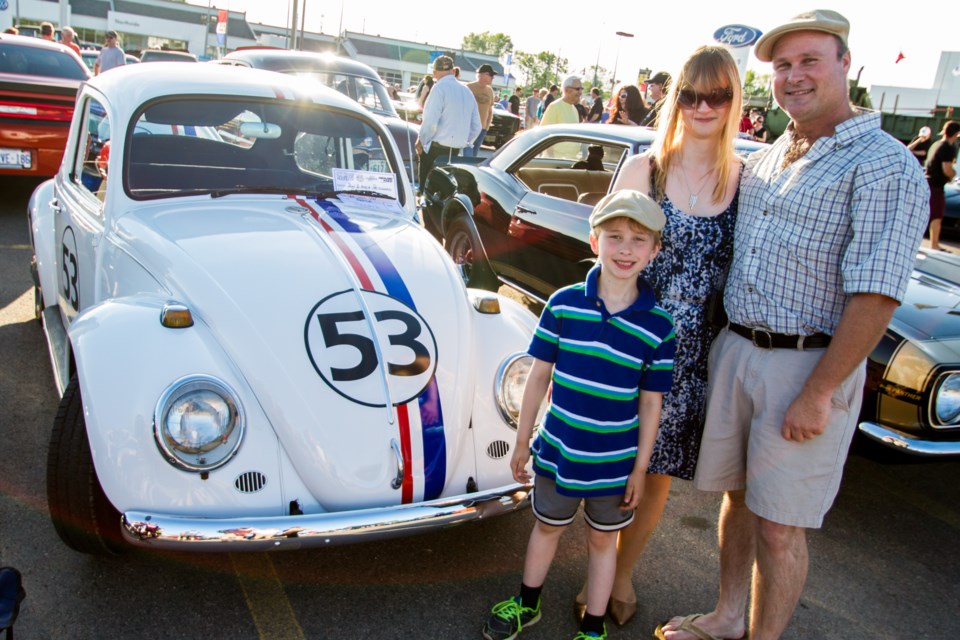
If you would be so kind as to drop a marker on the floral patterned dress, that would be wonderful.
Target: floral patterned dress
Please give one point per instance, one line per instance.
(691, 266)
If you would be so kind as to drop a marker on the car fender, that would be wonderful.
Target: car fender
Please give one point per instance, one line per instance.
(511, 328)
(113, 340)
(43, 240)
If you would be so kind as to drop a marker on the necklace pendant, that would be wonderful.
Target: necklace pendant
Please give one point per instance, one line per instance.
(692, 202)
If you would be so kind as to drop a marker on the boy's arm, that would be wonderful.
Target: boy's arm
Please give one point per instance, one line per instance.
(650, 406)
(533, 393)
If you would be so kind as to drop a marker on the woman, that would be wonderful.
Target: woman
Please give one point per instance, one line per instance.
(759, 130)
(692, 171)
(629, 108)
(425, 91)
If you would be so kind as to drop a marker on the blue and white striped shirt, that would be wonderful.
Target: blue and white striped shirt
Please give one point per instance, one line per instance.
(845, 218)
(588, 441)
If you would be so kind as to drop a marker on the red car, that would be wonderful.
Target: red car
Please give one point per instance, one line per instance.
(38, 89)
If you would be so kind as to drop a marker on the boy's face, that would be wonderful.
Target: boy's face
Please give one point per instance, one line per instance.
(623, 248)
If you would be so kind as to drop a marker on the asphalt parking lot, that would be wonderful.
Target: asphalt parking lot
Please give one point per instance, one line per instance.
(886, 565)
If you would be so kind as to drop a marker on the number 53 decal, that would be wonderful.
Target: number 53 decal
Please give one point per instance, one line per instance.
(343, 349)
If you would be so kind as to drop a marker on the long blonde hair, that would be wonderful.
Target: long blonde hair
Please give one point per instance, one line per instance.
(709, 67)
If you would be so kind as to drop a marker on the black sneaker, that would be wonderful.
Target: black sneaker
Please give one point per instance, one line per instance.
(508, 618)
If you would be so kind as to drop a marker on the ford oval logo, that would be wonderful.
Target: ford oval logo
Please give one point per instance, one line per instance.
(736, 35)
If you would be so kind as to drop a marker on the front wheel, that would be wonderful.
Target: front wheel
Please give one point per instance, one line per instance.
(82, 515)
(464, 247)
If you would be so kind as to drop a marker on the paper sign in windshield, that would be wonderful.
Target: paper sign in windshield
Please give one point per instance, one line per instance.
(349, 180)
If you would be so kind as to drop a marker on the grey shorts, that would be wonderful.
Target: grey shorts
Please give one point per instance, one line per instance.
(602, 513)
(749, 391)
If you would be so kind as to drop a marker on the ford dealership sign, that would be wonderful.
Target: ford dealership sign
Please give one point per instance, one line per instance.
(736, 35)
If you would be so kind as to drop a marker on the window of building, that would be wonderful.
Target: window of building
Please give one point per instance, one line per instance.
(391, 77)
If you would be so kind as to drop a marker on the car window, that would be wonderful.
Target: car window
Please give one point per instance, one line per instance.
(368, 92)
(577, 170)
(35, 61)
(93, 150)
(192, 145)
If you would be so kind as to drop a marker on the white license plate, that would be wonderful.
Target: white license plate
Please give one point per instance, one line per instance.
(15, 159)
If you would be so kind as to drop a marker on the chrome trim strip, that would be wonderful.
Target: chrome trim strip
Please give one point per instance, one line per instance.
(318, 530)
(908, 443)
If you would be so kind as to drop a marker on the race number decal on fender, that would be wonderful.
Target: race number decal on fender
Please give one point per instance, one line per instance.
(342, 340)
(69, 269)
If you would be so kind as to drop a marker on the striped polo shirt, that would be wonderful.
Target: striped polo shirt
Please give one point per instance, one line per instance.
(588, 441)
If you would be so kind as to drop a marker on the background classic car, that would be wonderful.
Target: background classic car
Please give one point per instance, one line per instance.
(38, 87)
(520, 217)
(257, 345)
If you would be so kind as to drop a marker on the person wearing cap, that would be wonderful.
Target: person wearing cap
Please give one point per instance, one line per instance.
(110, 56)
(829, 221)
(449, 122)
(657, 87)
(940, 168)
(483, 94)
(564, 110)
(921, 144)
(606, 347)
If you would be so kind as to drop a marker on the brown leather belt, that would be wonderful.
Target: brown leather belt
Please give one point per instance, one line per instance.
(768, 340)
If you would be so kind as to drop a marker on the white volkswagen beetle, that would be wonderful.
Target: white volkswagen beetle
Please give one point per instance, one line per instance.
(256, 343)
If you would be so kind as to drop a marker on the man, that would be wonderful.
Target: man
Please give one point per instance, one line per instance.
(829, 221)
(68, 36)
(111, 55)
(530, 118)
(551, 96)
(596, 107)
(450, 119)
(940, 169)
(515, 102)
(565, 109)
(483, 94)
(657, 88)
(46, 32)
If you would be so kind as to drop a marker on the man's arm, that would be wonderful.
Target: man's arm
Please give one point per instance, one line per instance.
(950, 170)
(862, 324)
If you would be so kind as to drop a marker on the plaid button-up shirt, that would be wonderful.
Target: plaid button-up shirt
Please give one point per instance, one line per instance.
(845, 218)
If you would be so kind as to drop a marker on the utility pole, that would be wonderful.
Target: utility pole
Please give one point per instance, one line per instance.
(620, 35)
(293, 25)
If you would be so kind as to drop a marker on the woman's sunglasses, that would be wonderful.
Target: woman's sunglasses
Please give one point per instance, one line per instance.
(690, 99)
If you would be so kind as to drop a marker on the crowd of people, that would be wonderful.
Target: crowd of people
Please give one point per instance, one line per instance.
(703, 344)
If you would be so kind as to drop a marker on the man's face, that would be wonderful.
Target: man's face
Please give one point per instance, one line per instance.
(111, 41)
(809, 82)
(656, 92)
(486, 79)
(572, 92)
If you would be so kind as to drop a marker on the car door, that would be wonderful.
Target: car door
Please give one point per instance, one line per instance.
(548, 233)
(79, 202)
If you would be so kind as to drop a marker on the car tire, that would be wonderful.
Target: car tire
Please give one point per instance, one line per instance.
(462, 244)
(82, 515)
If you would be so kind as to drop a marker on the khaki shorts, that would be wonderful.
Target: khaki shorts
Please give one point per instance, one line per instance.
(749, 391)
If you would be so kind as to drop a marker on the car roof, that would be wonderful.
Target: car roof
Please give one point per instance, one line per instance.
(284, 60)
(29, 41)
(129, 86)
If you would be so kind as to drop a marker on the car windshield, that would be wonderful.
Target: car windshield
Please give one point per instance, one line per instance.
(368, 92)
(192, 146)
(35, 61)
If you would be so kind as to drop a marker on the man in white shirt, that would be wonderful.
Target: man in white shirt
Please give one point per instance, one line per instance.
(450, 120)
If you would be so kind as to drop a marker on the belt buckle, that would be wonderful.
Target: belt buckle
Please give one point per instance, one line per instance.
(754, 333)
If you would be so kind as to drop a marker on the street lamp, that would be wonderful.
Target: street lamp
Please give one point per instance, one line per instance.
(620, 35)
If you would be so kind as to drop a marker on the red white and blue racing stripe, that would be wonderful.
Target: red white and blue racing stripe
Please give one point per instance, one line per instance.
(420, 421)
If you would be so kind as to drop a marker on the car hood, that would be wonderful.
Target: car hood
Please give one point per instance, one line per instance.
(930, 314)
(307, 299)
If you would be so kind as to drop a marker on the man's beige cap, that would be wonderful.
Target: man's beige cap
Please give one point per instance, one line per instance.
(817, 20)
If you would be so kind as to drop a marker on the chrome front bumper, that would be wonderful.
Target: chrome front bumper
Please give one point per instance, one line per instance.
(318, 530)
(908, 443)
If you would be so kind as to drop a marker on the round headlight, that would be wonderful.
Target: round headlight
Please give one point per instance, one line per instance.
(947, 403)
(511, 379)
(198, 424)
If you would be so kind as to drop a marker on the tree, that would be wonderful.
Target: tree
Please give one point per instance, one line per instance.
(756, 86)
(541, 69)
(495, 44)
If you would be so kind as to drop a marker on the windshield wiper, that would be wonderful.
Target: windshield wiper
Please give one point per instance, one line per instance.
(249, 188)
(354, 192)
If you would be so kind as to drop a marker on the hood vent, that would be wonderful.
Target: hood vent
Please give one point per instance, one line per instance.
(498, 449)
(250, 482)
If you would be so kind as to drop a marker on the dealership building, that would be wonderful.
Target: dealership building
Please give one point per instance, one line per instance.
(162, 24)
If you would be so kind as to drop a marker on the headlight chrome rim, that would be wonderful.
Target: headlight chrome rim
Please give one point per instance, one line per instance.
(500, 390)
(180, 457)
(945, 412)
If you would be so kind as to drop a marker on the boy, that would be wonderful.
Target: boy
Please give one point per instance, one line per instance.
(608, 350)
